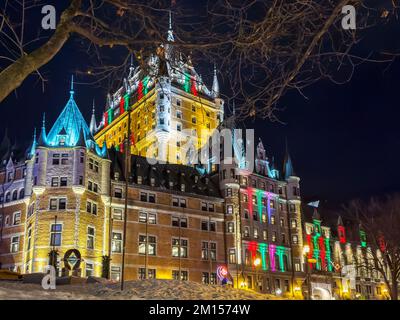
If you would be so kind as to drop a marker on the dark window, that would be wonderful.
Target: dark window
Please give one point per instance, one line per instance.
(118, 193)
(62, 204)
(56, 159)
(63, 181)
(55, 237)
(213, 226)
(204, 225)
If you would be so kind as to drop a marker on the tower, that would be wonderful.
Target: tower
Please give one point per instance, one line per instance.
(171, 109)
(67, 179)
(341, 231)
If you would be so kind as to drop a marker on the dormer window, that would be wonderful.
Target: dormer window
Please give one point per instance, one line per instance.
(152, 181)
(183, 187)
(139, 180)
(62, 141)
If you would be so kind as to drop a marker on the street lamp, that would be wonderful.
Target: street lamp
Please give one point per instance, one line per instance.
(256, 263)
(306, 251)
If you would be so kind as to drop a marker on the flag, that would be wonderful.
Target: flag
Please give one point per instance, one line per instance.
(314, 204)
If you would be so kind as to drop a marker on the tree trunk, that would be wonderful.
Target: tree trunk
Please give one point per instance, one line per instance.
(394, 290)
(13, 76)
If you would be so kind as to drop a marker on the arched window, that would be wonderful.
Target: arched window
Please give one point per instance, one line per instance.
(8, 197)
(15, 195)
(22, 193)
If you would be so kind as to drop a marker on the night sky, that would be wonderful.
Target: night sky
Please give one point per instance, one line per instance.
(344, 140)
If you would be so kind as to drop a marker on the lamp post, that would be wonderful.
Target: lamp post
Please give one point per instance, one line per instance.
(306, 250)
(257, 263)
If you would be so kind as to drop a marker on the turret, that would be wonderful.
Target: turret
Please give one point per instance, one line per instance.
(215, 85)
(93, 126)
(215, 93)
(341, 230)
(163, 115)
(293, 189)
(43, 137)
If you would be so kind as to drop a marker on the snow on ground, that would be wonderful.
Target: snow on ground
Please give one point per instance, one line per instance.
(134, 290)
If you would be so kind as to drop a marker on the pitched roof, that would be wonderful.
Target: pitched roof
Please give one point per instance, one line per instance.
(68, 126)
(166, 176)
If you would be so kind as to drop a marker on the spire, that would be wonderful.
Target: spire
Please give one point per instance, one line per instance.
(42, 137)
(131, 68)
(66, 129)
(170, 37)
(215, 85)
(72, 86)
(32, 149)
(340, 221)
(81, 140)
(316, 215)
(92, 126)
(5, 143)
(287, 165)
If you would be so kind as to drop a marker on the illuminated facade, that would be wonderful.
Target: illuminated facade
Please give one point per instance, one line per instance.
(339, 264)
(168, 103)
(65, 183)
(263, 225)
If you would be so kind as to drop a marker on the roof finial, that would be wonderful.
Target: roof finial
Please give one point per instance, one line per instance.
(44, 120)
(215, 85)
(34, 134)
(170, 36)
(233, 107)
(93, 107)
(72, 85)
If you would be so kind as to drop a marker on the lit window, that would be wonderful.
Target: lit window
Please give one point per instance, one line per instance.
(89, 269)
(183, 247)
(117, 214)
(90, 238)
(115, 273)
(116, 242)
(14, 244)
(16, 218)
(151, 245)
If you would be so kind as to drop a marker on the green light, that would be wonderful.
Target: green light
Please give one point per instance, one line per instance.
(145, 83)
(317, 225)
(363, 239)
(126, 105)
(262, 247)
(328, 254)
(110, 115)
(281, 251)
(186, 86)
(259, 194)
